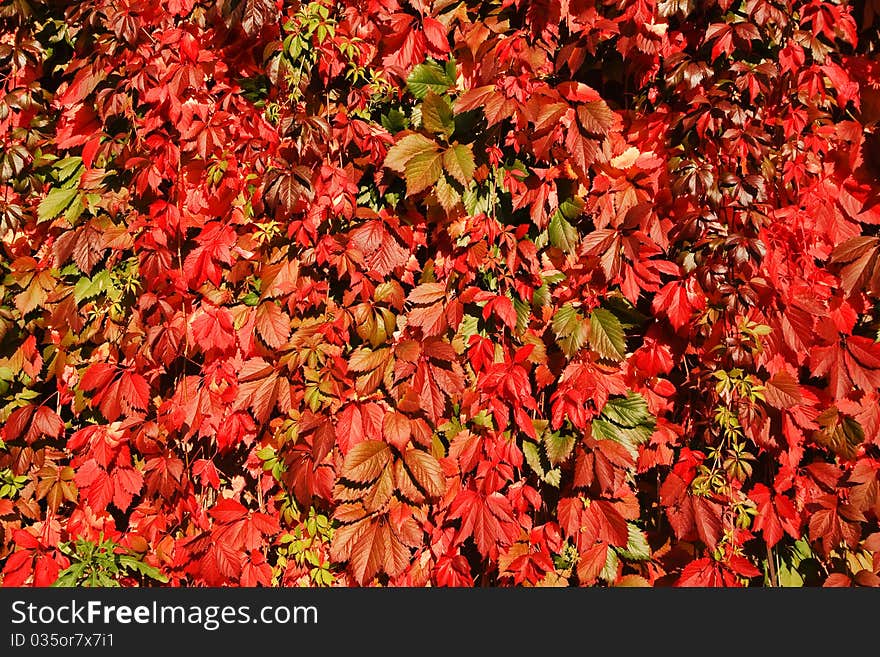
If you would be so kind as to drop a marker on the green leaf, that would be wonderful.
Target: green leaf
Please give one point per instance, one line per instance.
(609, 572)
(553, 276)
(629, 411)
(570, 329)
(86, 289)
(553, 477)
(468, 326)
(70, 575)
(562, 234)
(449, 69)
(458, 160)
(471, 199)
(447, 195)
(604, 430)
(437, 114)
(407, 148)
(55, 203)
(523, 312)
(143, 568)
(626, 421)
(68, 171)
(541, 296)
(637, 548)
(74, 210)
(422, 171)
(606, 335)
(789, 577)
(635, 435)
(558, 447)
(533, 457)
(571, 208)
(429, 76)
(394, 121)
(627, 313)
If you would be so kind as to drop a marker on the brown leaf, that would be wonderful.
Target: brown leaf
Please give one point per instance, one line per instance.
(396, 429)
(783, 391)
(426, 472)
(272, 324)
(366, 461)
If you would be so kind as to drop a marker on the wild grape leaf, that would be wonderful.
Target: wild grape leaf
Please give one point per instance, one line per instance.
(596, 117)
(396, 428)
(488, 519)
(366, 461)
(427, 293)
(421, 171)
(606, 335)
(426, 472)
(273, 324)
(285, 189)
(458, 161)
(602, 522)
(437, 114)
(447, 195)
(406, 148)
(630, 411)
(570, 328)
(429, 77)
(558, 446)
(783, 391)
(707, 515)
(377, 496)
(55, 202)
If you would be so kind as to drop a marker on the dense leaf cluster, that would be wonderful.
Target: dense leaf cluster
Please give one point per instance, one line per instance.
(455, 293)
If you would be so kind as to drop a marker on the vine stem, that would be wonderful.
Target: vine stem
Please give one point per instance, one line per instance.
(771, 560)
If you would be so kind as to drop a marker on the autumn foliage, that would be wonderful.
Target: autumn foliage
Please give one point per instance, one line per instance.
(462, 293)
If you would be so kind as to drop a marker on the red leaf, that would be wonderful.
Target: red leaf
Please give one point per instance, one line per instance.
(47, 423)
(127, 482)
(213, 329)
(349, 427)
(703, 572)
(97, 376)
(45, 570)
(427, 293)
(228, 511)
(707, 515)
(488, 519)
(17, 422)
(578, 92)
(426, 472)
(435, 33)
(672, 301)
(95, 484)
(502, 307)
(18, 567)
(569, 511)
(837, 580)
(591, 562)
(396, 429)
(207, 473)
(766, 520)
(272, 324)
(135, 390)
(604, 523)
(783, 391)
(366, 460)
